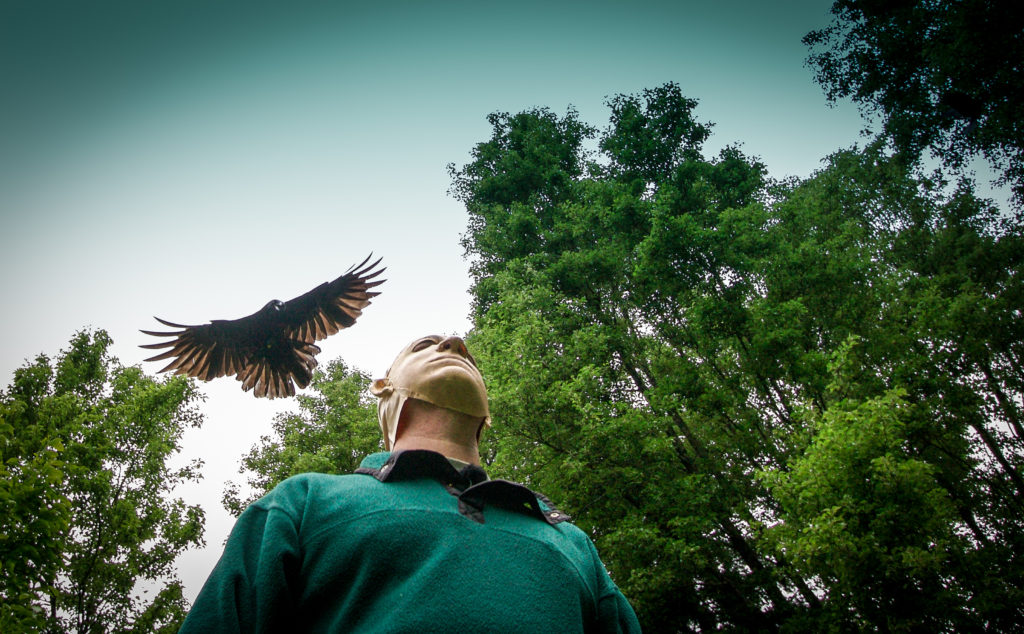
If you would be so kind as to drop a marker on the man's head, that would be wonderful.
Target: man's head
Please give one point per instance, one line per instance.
(435, 369)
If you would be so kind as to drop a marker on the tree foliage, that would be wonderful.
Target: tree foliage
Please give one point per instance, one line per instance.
(90, 525)
(942, 75)
(334, 429)
(776, 406)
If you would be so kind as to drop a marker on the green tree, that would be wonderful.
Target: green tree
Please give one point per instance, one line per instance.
(942, 75)
(34, 510)
(334, 429)
(668, 341)
(866, 516)
(90, 527)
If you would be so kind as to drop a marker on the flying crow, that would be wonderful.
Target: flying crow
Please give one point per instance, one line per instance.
(272, 349)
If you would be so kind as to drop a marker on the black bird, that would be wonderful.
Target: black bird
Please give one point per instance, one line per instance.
(272, 349)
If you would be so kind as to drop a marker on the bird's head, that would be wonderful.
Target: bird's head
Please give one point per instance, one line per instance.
(274, 305)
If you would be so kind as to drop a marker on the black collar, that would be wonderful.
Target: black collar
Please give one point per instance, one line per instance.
(413, 464)
(470, 485)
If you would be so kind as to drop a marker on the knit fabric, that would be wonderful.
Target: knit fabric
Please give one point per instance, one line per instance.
(428, 550)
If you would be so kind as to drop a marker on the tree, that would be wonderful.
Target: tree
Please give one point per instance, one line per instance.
(944, 76)
(868, 518)
(680, 351)
(334, 429)
(35, 512)
(90, 524)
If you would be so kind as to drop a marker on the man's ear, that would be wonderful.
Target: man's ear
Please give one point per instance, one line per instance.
(381, 387)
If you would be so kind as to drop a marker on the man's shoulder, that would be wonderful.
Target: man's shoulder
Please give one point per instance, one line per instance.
(313, 497)
(315, 484)
(312, 481)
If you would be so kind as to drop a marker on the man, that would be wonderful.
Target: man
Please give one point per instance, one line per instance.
(418, 539)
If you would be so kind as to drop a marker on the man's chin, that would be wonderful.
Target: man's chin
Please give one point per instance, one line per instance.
(456, 387)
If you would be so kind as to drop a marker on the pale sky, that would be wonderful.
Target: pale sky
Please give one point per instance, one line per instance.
(193, 160)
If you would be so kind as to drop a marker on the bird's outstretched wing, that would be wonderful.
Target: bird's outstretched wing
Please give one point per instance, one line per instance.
(272, 349)
(332, 306)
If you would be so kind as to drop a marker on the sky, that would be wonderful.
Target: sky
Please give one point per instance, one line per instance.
(193, 160)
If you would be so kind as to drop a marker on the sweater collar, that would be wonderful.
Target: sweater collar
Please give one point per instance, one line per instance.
(411, 464)
(470, 485)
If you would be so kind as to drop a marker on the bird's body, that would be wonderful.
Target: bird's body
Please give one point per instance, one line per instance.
(274, 348)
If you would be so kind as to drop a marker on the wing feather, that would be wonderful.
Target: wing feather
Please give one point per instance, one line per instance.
(165, 355)
(197, 363)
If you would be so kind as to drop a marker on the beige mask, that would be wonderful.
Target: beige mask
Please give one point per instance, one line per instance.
(435, 369)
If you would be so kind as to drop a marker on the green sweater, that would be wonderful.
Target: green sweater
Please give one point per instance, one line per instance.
(407, 544)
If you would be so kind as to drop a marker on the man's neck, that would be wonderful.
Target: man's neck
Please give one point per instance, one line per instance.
(449, 433)
(443, 446)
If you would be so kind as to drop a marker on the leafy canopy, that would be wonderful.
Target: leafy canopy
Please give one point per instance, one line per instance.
(91, 527)
(944, 76)
(746, 391)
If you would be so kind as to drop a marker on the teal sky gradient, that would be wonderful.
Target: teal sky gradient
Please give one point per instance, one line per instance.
(192, 160)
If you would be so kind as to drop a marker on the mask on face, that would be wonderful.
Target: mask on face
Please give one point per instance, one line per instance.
(435, 369)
